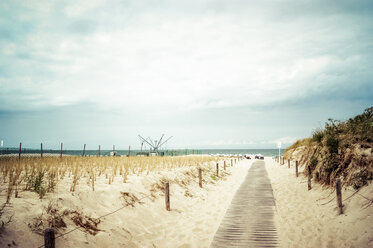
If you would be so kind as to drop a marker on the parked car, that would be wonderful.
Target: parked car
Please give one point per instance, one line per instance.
(247, 156)
(259, 156)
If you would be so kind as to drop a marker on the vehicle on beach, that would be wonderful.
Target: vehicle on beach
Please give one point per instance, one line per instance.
(247, 156)
(259, 156)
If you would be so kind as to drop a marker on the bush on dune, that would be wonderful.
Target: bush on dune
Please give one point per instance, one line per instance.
(340, 149)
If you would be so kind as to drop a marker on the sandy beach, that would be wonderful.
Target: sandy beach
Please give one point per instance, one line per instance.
(192, 222)
(138, 217)
(310, 218)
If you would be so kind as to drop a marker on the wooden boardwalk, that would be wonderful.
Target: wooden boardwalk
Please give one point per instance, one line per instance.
(248, 221)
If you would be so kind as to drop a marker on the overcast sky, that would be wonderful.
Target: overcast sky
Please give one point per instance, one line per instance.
(213, 74)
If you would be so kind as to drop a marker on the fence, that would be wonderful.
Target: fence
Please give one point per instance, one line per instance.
(338, 186)
(43, 151)
(49, 234)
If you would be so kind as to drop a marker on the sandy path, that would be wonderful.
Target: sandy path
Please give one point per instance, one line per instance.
(310, 218)
(249, 219)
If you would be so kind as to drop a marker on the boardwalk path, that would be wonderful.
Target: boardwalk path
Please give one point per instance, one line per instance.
(249, 219)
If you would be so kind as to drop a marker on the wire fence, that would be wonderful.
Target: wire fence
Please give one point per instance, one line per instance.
(44, 151)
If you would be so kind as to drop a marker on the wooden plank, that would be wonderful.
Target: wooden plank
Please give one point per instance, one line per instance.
(339, 195)
(49, 239)
(249, 220)
(296, 168)
(309, 177)
(200, 177)
(20, 150)
(167, 196)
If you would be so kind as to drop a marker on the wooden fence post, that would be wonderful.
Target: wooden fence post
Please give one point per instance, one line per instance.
(41, 150)
(20, 150)
(83, 151)
(49, 240)
(231, 162)
(224, 165)
(217, 169)
(200, 177)
(61, 149)
(296, 168)
(339, 195)
(167, 195)
(309, 178)
(288, 163)
(99, 150)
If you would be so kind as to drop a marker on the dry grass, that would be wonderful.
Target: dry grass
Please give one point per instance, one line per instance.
(341, 149)
(42, 175)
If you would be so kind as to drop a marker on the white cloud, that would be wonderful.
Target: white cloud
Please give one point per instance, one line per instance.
(185, 63)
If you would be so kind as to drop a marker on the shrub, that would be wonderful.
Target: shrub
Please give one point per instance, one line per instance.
(332, 143)
(35, 183)
(313, 162)
(317, 135)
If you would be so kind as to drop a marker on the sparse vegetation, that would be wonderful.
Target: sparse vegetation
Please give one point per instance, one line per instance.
(299, 143)
(42, 175)
(340, 149)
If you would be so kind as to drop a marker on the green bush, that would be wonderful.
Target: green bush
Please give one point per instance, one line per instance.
(332, 143)
(36, 183)
(317, 135)
(313, 162)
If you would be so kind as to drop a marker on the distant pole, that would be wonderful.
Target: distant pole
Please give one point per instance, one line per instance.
(99, 150)
(41, 150)
(167, 196)
(129, 151)
(20, 150)
(2, 144)
(279, 152)
(200, 177)
(339, 195)
(83, 151)
(61, 150)
(296, 168)
(217, 169)
(288, 163)
(309, 178)
(224, 164)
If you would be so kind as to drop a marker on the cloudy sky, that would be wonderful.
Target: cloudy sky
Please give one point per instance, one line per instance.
(211, 73)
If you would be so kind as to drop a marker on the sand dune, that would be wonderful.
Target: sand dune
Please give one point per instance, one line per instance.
(303, 218)
(192, 222)
(310, 218)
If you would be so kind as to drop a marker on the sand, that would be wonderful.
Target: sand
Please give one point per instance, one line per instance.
(310, 218)
(303, 218)
(192, 222)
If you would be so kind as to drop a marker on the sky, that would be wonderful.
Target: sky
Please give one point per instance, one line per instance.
(210, 73)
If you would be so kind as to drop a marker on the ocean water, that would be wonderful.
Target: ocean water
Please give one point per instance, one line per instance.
(264, 152)
(175, 152)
